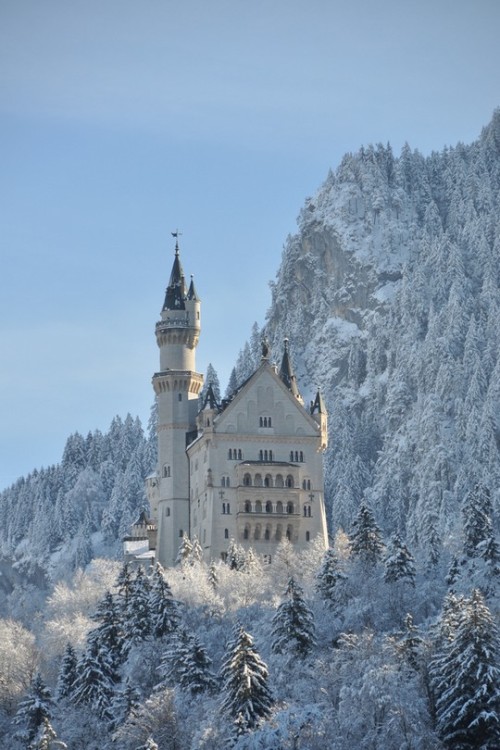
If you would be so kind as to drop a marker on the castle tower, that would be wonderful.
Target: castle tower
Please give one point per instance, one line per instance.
(177, 386)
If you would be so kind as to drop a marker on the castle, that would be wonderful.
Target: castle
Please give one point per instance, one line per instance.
(248, 469)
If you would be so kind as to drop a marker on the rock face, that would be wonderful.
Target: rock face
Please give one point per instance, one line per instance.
(389, 294)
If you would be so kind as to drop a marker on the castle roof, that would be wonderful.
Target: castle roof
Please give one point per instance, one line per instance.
(287, 374)
(176, 290)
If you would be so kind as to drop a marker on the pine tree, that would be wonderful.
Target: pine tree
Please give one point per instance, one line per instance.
(466, 680)
(236, 556)
(213, 578)
(67, 673)
(47, 738)
(365, 538)
(410, 645)
(94, 685)
(186, 664)
(109, 634)
(164, 610)
(477, 513)
(185, 549)
(293, 624)
(139, 622)
(124, 586)
(248, 699)
(399, 563)
(329, 579)
(125, 703)
(33, 710)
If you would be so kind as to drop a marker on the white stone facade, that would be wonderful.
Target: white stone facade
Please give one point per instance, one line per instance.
(249, 470)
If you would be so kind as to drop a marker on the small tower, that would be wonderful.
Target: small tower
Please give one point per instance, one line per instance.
(177, 386)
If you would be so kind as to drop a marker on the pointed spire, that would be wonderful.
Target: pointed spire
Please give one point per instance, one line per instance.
(176, 290)
(318, 405)
(210, 399)
(191, 295)
(287, 374)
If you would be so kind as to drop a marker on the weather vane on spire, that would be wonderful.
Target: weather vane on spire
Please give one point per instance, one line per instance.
(176, 234)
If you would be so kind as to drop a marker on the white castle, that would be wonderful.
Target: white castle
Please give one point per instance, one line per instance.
(249, 469)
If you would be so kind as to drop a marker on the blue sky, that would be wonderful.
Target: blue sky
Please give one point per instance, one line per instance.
(121, 121)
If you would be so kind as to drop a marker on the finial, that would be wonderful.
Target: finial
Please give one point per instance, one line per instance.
(176, 234)
(265, 348)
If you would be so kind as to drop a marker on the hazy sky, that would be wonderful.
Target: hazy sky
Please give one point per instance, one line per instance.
(121, 121)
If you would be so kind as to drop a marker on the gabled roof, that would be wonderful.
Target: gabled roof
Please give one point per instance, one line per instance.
(265, 368)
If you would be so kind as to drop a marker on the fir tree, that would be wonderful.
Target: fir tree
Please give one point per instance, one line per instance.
(248, 698)
(329, 579)
(410, 645)
(124, 586)
(109, 633)
(399, 563)
(33, 710)
(466, 680)
(125, 703)
(164, 610)
(213, 579)
(139, 622)
(67, 673)
(365, 538)
(185, 549)
(47, 738)
(293, 624)
(476, 518)
(94, 685)
(186, 664)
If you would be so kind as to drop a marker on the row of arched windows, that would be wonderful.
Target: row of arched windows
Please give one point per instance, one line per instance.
(225, 482)
(296, 456)
(166, 471)
(265, 422)
(268, 507)
(235, 454)
(265, 455)
(268, 481)
(267, 533)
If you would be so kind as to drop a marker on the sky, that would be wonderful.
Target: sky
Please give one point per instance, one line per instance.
(123, 121)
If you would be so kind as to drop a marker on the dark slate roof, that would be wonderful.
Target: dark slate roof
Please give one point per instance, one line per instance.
(176, 290)
(210, 399)
(287, 374)
(318, 405)
(192, 291)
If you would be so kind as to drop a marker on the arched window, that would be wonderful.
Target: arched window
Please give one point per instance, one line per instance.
(289, 481)
(246, 532)
(304, 484)
(166, 471)
(247, 480)
(230, 454)
(261, 422)
(223, 481)
(267, 533)
(289, 507)
(258, 480)
(279, 533)
(248, 506)
(279, 480)
(261, 455)
(226, 533)
(301, 456)
(268, 481)
(228, 483)
(180, 397)
(167, 512)
(265, 456)
(289, 533)
(308, 484)
(181, 533)
(279, 507)
(296, 456)
(308, 536)
(240, 454)
(291, 455)
(258, 506)
(257, 532)
(269, 507)
(270, 455)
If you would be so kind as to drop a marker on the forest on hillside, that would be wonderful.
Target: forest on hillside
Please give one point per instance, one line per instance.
(389, 294)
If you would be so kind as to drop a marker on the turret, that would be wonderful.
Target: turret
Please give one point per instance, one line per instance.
(177, 386)
(178, 331)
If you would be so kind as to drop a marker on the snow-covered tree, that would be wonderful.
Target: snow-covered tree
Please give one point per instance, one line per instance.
(47, 739)
(185, 549)
(466, 680)
(67, 673)
(399, 562)
(94, 685)
(365, 538)
(477, 514)
(185, 663)
(330, 579)
(35, 707)
(164, 610)
(138, 625)
(248, 699)
(293, 623)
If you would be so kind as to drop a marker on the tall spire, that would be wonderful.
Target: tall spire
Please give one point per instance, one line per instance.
(176, 290)
(287, 374)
